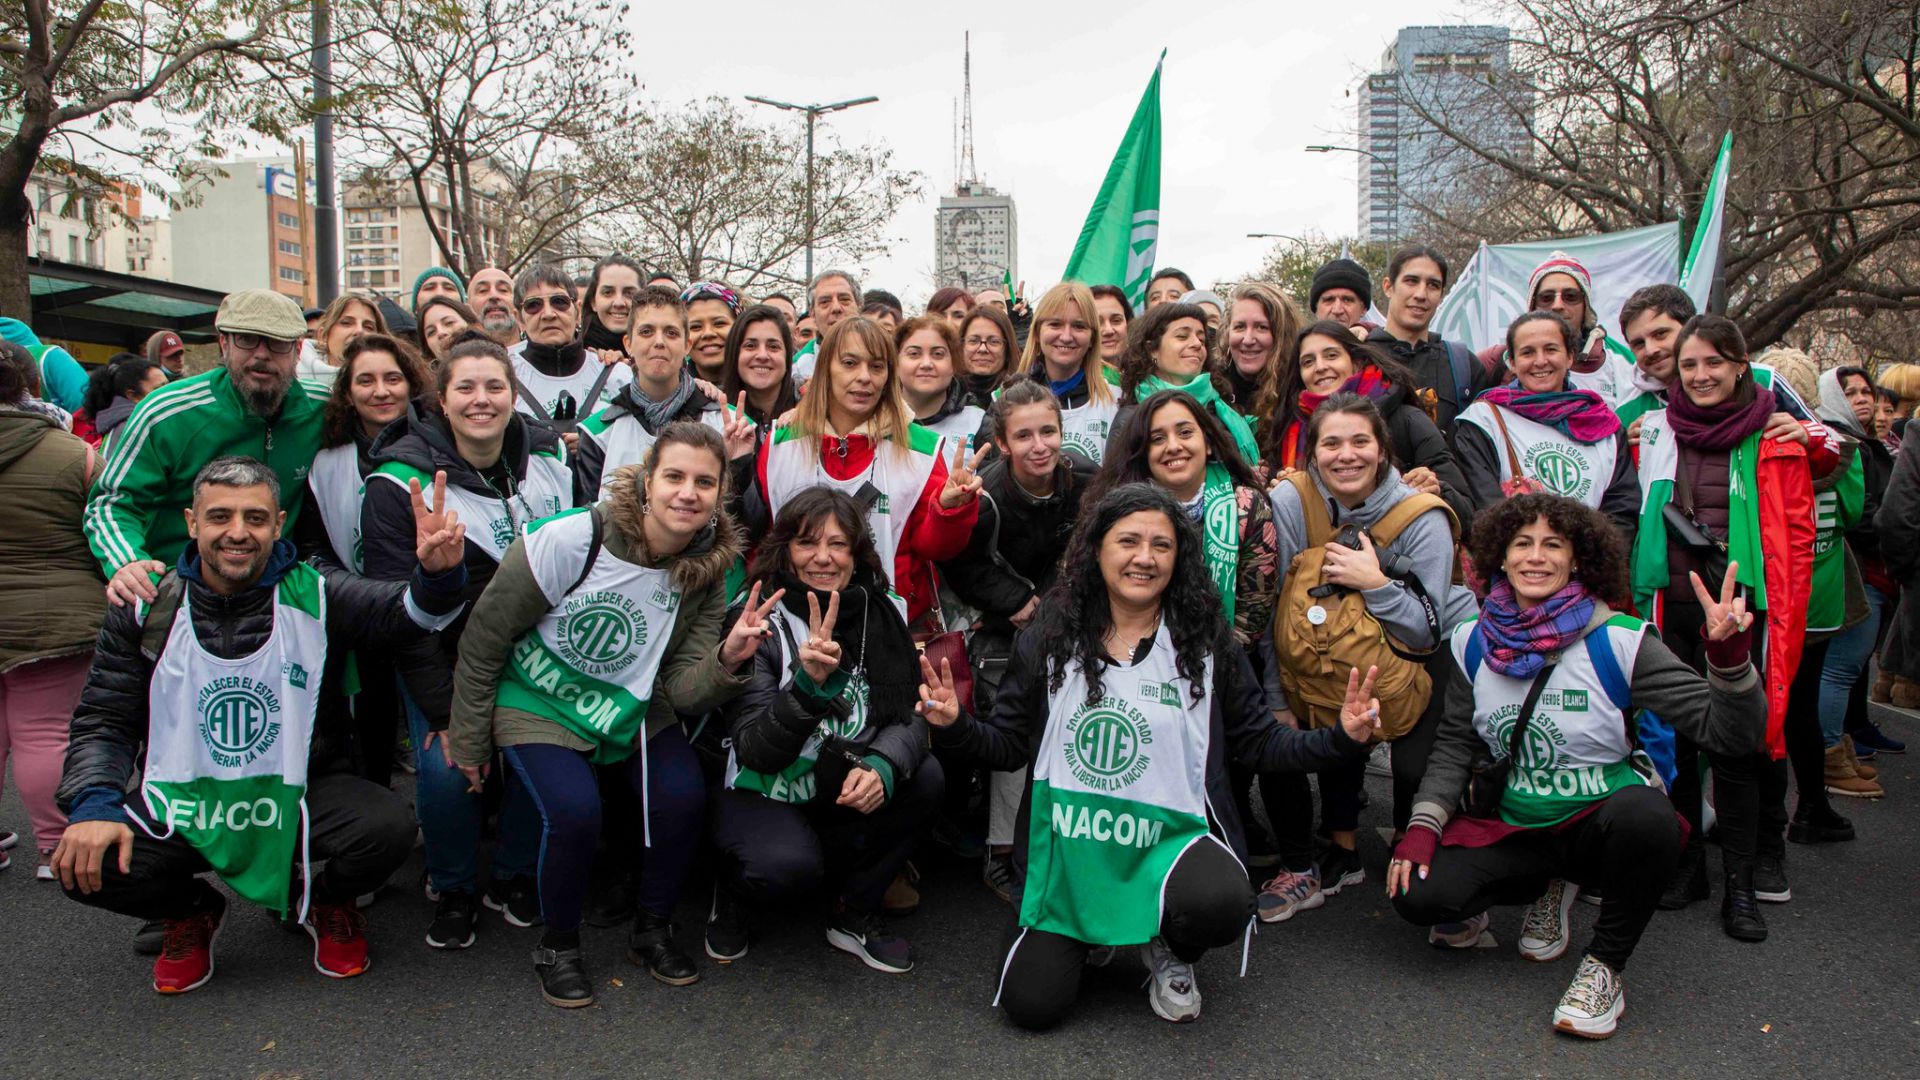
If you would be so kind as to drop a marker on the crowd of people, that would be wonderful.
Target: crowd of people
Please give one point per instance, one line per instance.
(610, 573)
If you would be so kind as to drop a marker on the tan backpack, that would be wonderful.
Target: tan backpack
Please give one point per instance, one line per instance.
(1319, 639)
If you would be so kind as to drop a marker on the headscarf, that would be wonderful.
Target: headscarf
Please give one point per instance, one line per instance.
(711, 290)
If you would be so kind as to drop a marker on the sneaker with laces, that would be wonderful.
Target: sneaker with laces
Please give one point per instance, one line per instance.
(1543, 934)
(726, 926)
(1288, 894)
(1770, 878)
(865, 935)
(1594, 1002)
(517, 900)
(339, 933)
(997, 872)
(8, 838)
(44, 871)
(454, 919)
(1339, 868)
(1459, 935)
(1171, 989)
(186, 953)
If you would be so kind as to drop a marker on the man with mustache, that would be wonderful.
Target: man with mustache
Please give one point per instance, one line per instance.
(490, 294)
(250, 405)
(1417, 277)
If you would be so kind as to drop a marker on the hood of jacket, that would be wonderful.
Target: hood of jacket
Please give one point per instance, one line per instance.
(20, 431)
(1384, 498)
(19, 333)
(421, 440)
(113, 416)
(1834, 407)
(703, 563)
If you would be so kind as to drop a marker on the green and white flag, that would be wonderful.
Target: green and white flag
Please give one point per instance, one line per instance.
(1117, 244)
(1697, 274)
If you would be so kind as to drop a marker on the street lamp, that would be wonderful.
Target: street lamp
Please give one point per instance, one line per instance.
(1327, 148)
(813, 112)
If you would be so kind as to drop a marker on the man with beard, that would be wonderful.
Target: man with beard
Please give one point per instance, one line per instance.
(560, 385)
(490, 293)
(250, 406)
(224, 697)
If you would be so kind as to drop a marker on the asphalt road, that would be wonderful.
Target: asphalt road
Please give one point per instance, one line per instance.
(1347, 990)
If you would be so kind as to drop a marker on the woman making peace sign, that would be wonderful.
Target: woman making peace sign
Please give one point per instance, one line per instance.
(1126, 697)
(853, 433)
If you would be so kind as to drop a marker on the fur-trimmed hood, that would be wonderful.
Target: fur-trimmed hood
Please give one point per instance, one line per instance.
(705, 561)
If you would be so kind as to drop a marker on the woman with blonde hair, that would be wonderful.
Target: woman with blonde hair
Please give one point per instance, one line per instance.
(1262, 324)
(1063, 352)
(853, 432)
(350, 315)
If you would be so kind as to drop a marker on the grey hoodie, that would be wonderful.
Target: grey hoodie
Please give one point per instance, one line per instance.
(1426, 545)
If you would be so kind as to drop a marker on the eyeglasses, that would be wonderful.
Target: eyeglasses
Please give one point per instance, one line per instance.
(1565, 296)
(984, 343)
(534, 305)
(247, 343)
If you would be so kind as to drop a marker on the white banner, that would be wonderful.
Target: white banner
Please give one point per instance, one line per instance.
(1492, 290)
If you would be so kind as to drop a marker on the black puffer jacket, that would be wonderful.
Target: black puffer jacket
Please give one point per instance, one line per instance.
(109, 732)
(769, 726)
(421, 440)
(1432, 361)
(1015, 551)
(1240, 728)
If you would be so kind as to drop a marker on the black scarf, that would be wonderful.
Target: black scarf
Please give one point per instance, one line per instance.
(599, 337)
(871, 635)
(980, 389)
(556, 361)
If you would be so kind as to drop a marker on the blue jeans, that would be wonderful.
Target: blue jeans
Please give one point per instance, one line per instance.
(451, 817)
(1847, 655)
(567, 794)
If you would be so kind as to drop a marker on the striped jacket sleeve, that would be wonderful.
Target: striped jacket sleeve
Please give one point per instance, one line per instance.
(133, 484)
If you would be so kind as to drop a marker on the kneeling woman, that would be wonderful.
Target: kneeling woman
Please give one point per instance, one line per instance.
(599, 625)
(829, 773)
(1581, 804)
(1126, 698)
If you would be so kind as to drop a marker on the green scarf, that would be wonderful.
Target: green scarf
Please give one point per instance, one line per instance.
(1201, 389)
(1220, 532)
(1659, 462)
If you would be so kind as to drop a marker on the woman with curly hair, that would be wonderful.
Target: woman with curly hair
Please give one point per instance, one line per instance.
(1576, 708)
(1125, 698)
(1167, 350)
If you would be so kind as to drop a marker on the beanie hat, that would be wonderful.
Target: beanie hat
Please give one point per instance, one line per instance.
(1340, 274)
(433, 272)
(1204, 296)
(1562, 263)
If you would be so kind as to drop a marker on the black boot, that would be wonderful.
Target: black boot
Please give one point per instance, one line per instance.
(613, 903)
(1689, 881)
(563, 975)
(1740, 908)
(1818, 826)
(650, 944)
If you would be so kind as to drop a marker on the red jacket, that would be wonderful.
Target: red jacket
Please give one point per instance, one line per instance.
(933, 533)
(1784, 479)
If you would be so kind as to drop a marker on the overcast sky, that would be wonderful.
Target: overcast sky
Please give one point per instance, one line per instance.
(1054, 85)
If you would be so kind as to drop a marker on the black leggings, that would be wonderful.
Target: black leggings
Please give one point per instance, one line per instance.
(1742, 783)
(1626, 848)
(1806, 748)
(1208, 905)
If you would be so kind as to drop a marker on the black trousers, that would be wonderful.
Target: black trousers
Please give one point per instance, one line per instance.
(377, 714)
(1806, 749)
(1209, 903)
(363, 831)
(1626, 848)
(1742, 783)
(776, 851)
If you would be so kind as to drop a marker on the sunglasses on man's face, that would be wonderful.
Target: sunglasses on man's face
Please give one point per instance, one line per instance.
(1565, 296)
(534, 305)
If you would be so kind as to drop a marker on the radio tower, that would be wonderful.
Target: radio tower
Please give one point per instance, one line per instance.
(968, 175)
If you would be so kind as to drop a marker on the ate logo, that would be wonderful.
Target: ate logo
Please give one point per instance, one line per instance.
(602, 633)
(239, 719)
(1563, 471)
(1107, 744)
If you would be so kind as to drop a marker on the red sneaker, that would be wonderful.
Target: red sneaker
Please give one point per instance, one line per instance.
(339, 935)
(186, 958)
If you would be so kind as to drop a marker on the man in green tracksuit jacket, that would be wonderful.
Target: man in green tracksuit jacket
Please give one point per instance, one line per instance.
(251, 406)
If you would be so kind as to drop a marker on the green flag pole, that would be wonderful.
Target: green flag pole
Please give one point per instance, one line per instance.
(1122, 231)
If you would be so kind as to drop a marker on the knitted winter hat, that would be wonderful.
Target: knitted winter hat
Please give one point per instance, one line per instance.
(434, 272)
(1562, 263)
(1341, 274)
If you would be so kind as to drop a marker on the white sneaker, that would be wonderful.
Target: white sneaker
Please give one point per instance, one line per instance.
(44, 871)
(1171, 989)
(1460, 935)
(1594, 1002)
(1543, 936)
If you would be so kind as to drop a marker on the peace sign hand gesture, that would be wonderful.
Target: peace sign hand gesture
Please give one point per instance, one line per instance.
(740, 431)
(963, 483)
(820, 654)
(439, 539)
(747, 630)
(939, 703)
(1360, 714)
(1727, 617)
